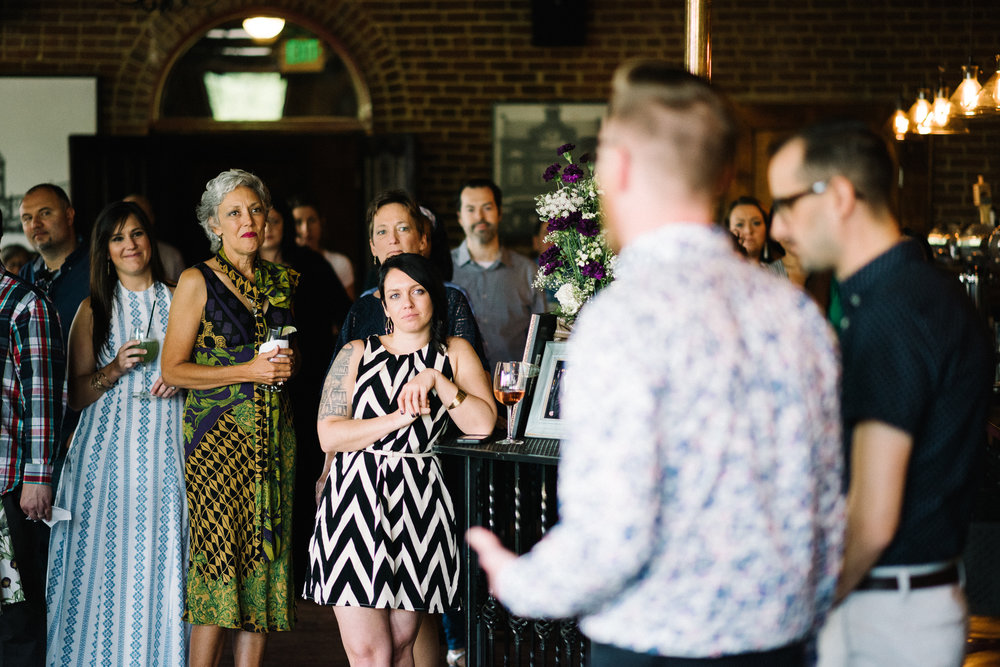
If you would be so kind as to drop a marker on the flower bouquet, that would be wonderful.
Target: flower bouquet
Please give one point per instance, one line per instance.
(579, 261)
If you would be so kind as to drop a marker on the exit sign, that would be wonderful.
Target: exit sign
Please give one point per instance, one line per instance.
(303, 55)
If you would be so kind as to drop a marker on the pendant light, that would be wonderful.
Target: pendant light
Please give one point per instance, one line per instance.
(966, 97)
(920, 113)
(900, 122)
(988, 102)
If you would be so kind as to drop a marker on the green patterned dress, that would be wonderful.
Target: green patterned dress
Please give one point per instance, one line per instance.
(240, 465)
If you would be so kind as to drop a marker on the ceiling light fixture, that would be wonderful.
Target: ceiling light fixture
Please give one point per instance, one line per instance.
(989, 97)
(263, 27)
(966, 96)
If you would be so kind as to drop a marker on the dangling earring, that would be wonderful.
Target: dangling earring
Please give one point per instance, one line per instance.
(388, 325)
(109, 266)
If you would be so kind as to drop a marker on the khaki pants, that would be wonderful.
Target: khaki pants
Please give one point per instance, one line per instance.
(925, 627)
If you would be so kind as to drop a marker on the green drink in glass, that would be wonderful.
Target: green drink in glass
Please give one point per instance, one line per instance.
(152, 348)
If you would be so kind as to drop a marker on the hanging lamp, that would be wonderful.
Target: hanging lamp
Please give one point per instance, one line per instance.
(988, 102)
(966, 96)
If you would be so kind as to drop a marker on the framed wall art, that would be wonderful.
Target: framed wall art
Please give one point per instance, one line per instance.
(525, 139)
(39, 114)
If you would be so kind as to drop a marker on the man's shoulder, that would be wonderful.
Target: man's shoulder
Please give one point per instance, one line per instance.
(460, 253)
(16, 292)
(79, 257)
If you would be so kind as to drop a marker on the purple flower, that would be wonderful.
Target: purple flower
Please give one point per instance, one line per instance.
(593, 269)
(550, 259)
(572, 174)
(558, 224)
(565, 148)
(585, 158)
(551, 171)
(588, 227)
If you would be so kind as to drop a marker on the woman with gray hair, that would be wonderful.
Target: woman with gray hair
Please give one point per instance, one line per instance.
(238, 436)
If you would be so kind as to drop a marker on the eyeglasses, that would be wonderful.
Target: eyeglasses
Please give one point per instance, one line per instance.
(781, 203)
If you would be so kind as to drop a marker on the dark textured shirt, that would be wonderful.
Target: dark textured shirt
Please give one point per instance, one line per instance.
(916, 356)
(33, 366)
(67, 287)
(367, 318)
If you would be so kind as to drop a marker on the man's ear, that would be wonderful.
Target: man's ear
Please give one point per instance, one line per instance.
(70, 215)
(615, 167)
(845, 197)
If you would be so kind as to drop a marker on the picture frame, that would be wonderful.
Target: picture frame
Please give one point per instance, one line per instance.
(525, 138)
(540, 331)
(544, 419)
(33, 128)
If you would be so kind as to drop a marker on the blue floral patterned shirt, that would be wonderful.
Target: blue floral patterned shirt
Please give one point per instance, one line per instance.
(699, 485)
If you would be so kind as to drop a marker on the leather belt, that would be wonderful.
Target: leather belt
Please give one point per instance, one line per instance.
(944, 577)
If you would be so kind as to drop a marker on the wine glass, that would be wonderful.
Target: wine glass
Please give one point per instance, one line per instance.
(510, 381)
(152, 347)
(274, 340)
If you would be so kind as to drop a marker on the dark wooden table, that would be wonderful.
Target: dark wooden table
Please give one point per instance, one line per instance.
(510, 489)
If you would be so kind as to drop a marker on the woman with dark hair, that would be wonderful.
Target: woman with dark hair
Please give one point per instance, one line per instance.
(239, 438)
(396, 224)
(385, 550)
(116, 567)
(320, 304)
(749, 222)
(310, 228)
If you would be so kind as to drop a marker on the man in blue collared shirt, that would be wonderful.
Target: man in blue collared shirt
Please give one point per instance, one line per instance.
(497, 280)
(917, 370)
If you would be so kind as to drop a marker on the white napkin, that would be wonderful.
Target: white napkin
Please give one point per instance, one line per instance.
(58, 514)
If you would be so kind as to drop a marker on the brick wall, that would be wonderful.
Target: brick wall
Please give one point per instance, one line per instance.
(434, 67)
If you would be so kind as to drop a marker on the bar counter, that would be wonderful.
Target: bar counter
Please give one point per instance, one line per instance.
(510, 489)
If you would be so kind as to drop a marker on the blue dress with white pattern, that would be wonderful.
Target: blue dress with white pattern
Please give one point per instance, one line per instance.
(116, 568)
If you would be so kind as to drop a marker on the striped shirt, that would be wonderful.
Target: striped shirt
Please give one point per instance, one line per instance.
(33, 365)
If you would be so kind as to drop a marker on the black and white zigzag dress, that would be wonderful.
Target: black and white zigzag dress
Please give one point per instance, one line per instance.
(385, 528)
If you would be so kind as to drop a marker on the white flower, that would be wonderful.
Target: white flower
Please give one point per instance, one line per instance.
(569, 299)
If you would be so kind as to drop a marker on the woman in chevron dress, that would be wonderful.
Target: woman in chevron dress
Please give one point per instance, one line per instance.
(116, 567)
(385, 550)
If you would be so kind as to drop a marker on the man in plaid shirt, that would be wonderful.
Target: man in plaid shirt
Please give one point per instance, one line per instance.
(33, 367)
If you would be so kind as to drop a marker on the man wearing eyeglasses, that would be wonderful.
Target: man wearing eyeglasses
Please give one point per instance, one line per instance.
(32, 366)
(917, 369)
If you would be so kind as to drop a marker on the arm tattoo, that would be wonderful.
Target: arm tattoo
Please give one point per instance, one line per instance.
(335, 401)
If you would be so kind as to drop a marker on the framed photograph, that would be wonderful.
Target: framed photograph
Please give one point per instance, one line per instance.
(525, 139)
(39, 114)
(540, 331)
(544, 417)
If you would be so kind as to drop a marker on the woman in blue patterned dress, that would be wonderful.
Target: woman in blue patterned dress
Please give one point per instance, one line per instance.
(116, 568)
(385, 550)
